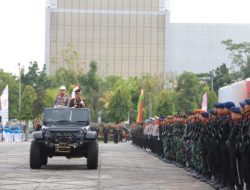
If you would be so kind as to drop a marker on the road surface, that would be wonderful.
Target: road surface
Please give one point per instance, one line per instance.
(121, 166)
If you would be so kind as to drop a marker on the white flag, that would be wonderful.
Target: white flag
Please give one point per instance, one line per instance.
(5, 105)
(204, 102)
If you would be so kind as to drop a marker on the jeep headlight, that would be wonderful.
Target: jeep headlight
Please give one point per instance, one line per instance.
(86, 128)
(47, 134)
(81, 134)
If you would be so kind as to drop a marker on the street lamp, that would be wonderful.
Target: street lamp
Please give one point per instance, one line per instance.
(19, 102)
(212, 81)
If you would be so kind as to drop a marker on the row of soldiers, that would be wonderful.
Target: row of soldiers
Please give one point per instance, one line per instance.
(147, 136)
(214, 145)
(115, 130)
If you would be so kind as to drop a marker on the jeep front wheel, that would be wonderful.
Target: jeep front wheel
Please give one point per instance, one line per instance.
(35, 155)
(92, 158)
(44, 159)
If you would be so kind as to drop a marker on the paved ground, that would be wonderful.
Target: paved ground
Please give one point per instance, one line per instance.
(121, 166)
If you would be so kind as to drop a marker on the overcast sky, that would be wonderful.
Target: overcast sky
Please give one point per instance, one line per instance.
(210, 11)
(22, 32)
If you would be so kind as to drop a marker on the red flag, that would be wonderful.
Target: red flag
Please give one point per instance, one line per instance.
(140, 107)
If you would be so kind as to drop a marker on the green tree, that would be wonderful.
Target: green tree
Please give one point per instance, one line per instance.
(39, 103)
(134, 86)
(36, 78)
(188, 95)
(104, 102)
(120, 104)
(40, 82)
(111, 81)
(90, 80)
(31, 77)
(90, 84)
(63, 77)
(240, 53)
(43, 81)
(184, 105)
(152, 86)
(221, 77)
(166, 104)
(50, 95)
(105, 93)
(28, 98)
(170, 80)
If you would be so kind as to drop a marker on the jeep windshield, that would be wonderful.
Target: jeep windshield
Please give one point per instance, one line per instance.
(64, 116)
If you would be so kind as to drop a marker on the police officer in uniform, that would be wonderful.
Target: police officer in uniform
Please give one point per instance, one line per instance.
(78, 101)
(234, 144)
(120, 133)
(160, 142)
(223, 134)
(155, 135)
(204, 141)
(211, 146)
(115, 134)
(214, 143)
(221, 130)
(246, 144)
(145, 135)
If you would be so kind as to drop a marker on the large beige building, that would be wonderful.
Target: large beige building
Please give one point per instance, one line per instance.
(125, 37)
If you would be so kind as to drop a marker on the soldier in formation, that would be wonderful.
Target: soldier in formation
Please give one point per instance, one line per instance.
(116, 133)
(105, 133)
(213, 146)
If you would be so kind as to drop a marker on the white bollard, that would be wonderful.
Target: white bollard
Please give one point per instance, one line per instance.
(4, 135)
(16, 136)
(20, 136)
(11, 136)
(7, 136)
(1, 133)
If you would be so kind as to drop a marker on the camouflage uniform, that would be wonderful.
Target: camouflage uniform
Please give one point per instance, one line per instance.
(245, 152)
(61, 101)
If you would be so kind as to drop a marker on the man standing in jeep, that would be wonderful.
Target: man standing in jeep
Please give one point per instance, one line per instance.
(78, 101)
(62, 100)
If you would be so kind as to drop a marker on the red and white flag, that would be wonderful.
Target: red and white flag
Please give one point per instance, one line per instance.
(204, 102)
